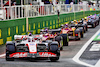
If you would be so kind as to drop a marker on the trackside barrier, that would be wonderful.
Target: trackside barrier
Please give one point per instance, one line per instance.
(9, 28)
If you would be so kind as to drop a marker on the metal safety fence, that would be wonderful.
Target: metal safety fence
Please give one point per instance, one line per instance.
(23, 11)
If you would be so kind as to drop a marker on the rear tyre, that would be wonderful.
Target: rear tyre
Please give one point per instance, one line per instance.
(93, 25)
(61, 48)
(9, 59)
(53, 46)
(86, 28)
(98, 22)
(65, 39)
(82, 35)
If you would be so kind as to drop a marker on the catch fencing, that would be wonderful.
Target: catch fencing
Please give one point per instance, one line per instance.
(23, 11)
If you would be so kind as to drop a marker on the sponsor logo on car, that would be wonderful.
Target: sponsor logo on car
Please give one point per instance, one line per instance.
(19, 54)
(47, 54)
(31, 44)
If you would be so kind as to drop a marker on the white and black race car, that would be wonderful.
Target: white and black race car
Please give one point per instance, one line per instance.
(25, 46)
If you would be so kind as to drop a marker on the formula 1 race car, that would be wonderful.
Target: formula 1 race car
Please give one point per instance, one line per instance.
(93, 21)
(72, 32)
(25, 46)
(79, 28)
(82, 25)
(55, 34)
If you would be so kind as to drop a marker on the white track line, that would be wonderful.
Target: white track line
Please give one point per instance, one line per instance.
(2, 55)
(77, 56)
(98, 64)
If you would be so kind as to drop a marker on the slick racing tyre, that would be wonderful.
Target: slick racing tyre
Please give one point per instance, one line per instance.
(10, 49)
(79, 36)
(98, 22)
(61, 45)
(82, 34)
(93, 25)
(53, 46)
(59, 40)
(54, 59)
(8, 58)
(86, 28)
(65, 39)
(32, 59)
(61, 48)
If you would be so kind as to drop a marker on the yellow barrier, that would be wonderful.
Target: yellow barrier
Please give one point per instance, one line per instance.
(9, 31)
(9, 38)
(1, 41)
(23, 28)
(16, 29)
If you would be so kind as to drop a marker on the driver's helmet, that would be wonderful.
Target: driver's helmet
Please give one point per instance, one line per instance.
(95, 14)
(66, 25)
(62, 25)
(46, 30)
(82, 19)
(90, 15)
(75, 20)
(41, 31)
(78, 20)
(30, 34)
(85, 18)
(72, 22)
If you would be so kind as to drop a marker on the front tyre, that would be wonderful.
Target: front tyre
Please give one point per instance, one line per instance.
(82, 34)
(32, 59)
(86, 28)
(61, 48)
(10, 49)
(65, 39)
(8, 58)
(54, 59)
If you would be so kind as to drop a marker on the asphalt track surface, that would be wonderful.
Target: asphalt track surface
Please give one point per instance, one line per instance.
(65, 59)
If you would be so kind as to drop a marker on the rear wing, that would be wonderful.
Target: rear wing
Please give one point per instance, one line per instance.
(20, 37)
(53, 31)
